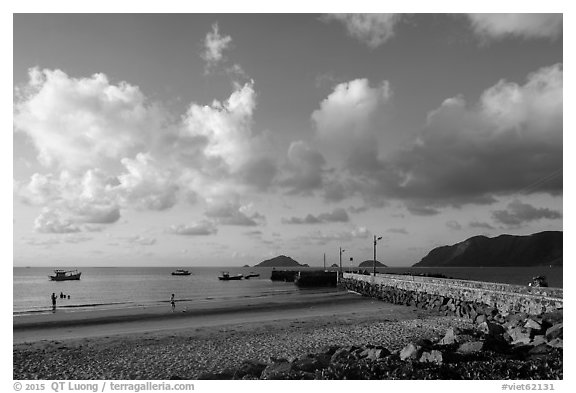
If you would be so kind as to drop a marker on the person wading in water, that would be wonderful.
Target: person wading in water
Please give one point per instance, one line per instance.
(53, 302)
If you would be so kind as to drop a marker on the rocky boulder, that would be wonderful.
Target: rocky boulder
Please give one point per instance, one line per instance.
(411, 352)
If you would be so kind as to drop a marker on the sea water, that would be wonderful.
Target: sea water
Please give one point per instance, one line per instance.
(121, 287)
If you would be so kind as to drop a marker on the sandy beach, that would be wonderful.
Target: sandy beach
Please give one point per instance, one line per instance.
(154, 343)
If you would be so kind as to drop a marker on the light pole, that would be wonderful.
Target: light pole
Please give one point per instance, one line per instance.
(341, 251)
(374, 261)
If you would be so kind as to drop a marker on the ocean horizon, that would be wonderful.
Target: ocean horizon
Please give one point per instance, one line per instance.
(129, 287)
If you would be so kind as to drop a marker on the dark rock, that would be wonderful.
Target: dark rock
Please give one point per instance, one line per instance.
(480, 319)
(311, 364)
(519, 335)
(433, 356)
(555, 332)
(491, 329)
(540, 349)
(374, 353)
(251, 368)
(279, 370)
(532, 324)
(471, 347)
(223, 375)
(537, 340)
(410, 352)
(556, 343)
(450, 336)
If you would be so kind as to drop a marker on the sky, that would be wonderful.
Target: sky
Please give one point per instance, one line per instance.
(227, 139)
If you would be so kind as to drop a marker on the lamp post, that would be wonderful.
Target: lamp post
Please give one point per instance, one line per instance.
(374, 261)
(341, 251)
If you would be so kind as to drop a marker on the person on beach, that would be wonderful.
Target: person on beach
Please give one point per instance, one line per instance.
(173, 303)
(61, 295)
(53, 302)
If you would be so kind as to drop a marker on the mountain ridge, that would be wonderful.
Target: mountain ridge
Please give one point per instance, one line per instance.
(537, 249)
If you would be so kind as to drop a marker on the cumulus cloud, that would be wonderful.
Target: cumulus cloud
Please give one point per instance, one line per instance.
(110, 149)
(81, 123)
(214, 47)
(52, 221)
(336, 215)
(201, 228)
(348, 112)
(370, 29)
(145, 185)
(527, 26)
(511, 139)
(229, 213)
(519, 213)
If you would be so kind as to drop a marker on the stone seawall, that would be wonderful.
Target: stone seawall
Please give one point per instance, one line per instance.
(460, 297)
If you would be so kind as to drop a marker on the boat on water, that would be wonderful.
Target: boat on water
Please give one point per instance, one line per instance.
(65, 275)
(181, 272)
(227, 277)
(251, 274)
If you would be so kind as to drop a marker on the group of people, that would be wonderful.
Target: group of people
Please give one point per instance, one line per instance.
(53, 298)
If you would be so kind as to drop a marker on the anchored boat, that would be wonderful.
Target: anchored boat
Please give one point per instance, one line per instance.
(65, 275)
(181, 272)
(227, 277)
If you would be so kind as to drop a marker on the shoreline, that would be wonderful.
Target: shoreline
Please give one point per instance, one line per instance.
(188, 347)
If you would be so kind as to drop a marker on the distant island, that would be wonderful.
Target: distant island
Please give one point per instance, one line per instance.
(370, 263)
(539, 249)
(279, 261)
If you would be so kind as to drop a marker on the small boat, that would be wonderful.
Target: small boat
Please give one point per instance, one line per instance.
(252, 275)
(181, 272)
(65, 275)
(227, 277)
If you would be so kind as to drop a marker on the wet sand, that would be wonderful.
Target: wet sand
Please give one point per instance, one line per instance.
(154, 343)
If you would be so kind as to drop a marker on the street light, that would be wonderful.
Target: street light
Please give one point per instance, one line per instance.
(374, 261)
(341, 251)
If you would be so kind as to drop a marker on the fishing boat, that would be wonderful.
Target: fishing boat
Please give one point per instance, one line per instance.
(227, 277)
(181, 272)
(252, 275)
(65, 275)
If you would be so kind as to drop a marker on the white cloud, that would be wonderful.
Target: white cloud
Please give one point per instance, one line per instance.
(201, 228)
(348, 112)
(371, 29)
(82, 123)
(226, 128)
(214, 47)
(498, 26)
(51, 221)
(145, 185)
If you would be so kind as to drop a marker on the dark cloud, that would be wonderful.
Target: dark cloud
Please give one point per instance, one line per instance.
(510, 141)
(229, 213)
(337, 215)
(519, 213)
(303, 172)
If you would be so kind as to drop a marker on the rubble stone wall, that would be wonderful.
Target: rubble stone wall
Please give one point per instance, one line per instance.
(460, 297)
